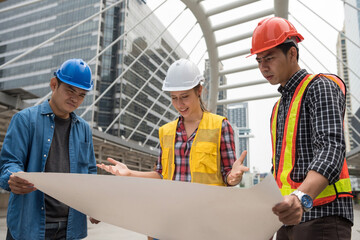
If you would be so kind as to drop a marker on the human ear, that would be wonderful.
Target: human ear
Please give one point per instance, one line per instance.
(200, 90)
(293, 53)
(53, 83)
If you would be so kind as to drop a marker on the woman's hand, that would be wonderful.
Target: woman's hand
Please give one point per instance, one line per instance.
(237, 170)
(118, 168)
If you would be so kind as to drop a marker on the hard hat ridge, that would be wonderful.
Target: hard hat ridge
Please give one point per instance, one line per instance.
(75, 72)
(271, 32)
(182, 75)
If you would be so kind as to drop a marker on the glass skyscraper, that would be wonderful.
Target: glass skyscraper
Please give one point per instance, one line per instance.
(134, 72)
(220, 109)
(349, 53)
(239, 118)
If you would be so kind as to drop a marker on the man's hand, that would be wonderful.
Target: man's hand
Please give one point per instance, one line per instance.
(20, 186)
(289, 210)
(237, 170)
(118, 168)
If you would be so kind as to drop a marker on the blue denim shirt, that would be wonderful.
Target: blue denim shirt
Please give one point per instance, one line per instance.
(26, 147)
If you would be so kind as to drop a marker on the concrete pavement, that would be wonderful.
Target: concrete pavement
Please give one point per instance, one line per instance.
(104, 231)
(101, 231)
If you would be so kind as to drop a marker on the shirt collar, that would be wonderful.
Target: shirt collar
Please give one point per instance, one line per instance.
(181, 128)
(181, 122)
(293, 82)
(46, 109)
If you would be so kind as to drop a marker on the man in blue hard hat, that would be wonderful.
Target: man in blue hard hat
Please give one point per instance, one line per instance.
(49, 137)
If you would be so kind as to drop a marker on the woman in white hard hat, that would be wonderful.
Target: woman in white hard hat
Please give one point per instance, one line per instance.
(196, 147)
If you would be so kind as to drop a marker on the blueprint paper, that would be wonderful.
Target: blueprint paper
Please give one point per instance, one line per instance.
(169, 210)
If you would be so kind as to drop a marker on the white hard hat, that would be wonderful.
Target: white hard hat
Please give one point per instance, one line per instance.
(182, 75)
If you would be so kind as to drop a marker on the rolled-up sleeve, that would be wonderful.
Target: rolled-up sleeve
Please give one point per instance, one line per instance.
(327, 107)
(13, 154)
(227, 149)
(158, 164)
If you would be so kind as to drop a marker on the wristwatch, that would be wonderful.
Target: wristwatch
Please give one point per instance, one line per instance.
(305, 200)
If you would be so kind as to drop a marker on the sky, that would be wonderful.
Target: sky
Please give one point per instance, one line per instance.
(307, 22)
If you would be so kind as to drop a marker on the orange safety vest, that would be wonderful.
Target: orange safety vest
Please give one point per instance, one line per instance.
(342, 188)
(205, 157)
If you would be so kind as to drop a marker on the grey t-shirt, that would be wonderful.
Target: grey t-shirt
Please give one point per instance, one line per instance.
(58, 161)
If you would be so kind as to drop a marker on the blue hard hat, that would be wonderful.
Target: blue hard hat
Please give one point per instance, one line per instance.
(75, 72)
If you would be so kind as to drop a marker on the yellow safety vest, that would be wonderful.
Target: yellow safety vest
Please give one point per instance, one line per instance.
(205, 158)
(342, 188)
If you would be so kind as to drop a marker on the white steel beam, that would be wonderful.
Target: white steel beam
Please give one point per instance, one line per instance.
(234, 39)
(240, 20)
(229, 6)
(142, 53)
(329, 24)
(239, 69)
(199, 12)
(23, 4)
(58, 35)
(234, 54)
(246, 99)
(281, 8)
(245, 84)
(123, 73)
(157, 124)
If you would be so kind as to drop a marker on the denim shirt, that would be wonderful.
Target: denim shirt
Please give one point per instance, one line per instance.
(25, 148)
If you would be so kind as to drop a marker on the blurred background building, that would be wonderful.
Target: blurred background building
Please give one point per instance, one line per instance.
(239, 118)
(129, 51)
(349, 69)
(147, 51)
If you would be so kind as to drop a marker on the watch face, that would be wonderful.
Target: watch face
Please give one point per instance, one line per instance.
(306, 201)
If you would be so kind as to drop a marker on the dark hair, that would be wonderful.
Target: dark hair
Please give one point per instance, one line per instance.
(202, 105)
(285, 47)
(59, 81)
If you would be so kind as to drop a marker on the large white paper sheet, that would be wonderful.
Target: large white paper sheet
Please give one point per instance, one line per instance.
(168, 210)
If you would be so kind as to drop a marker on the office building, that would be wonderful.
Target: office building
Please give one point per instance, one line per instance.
(220, 109)
(133, 66)
(343, 72)
(349, 70)
(239, 119)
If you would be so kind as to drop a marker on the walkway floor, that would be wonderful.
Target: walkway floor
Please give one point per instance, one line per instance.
(108, 232)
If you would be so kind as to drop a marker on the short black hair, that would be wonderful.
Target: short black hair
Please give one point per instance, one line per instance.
(285, 47)
(59, 81)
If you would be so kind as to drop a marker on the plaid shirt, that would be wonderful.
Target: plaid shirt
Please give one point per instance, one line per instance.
(183, 147)
(320, 144)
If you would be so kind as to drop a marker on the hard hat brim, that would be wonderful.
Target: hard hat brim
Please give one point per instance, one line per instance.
(199, 79)
(73, 84)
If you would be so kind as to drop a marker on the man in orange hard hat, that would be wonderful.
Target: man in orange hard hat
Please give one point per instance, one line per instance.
(308, 142)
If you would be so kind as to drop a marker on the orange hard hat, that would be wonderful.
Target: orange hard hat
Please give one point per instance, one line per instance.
(271, 32)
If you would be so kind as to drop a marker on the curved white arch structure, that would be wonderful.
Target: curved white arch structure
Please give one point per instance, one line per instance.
(209, 36)
(203, 18)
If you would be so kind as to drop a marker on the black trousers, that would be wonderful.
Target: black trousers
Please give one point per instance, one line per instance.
(326, 228)
(53, 231)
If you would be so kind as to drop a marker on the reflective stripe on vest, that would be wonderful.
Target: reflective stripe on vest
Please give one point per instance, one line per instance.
(341, 188)
(205, 158)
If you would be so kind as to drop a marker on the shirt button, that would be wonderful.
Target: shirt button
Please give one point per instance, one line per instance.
(52, 126)
(49, 140)
(44, 155)
(42, 208)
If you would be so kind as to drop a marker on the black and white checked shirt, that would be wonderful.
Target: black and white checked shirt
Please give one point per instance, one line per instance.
(320, 137)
